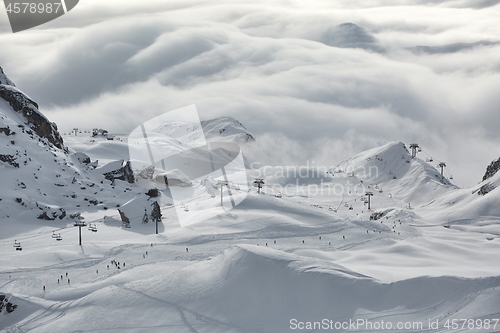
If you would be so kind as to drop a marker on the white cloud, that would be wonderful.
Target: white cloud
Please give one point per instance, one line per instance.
(117, 64)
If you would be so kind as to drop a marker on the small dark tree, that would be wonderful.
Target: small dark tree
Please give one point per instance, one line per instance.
(156, 214)
(145, 218)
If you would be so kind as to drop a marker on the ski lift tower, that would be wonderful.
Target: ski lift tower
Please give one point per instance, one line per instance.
(76, 131)
(222, 183)
(442, 165)
(414, 148)
(259, 182)
(369, 194)
(80, 224)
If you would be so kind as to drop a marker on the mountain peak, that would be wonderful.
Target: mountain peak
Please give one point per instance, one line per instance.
(393, 167)
(492, 169)
(226, 129)
(4, 79)
(351, 35)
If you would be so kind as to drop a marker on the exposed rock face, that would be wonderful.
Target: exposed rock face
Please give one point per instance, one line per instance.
(118, 171)
(29, 109)
(485, 189)
(4, 79)
(492, 169)
(9, 159)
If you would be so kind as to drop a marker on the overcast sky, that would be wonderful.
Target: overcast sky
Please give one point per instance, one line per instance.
(307, 85)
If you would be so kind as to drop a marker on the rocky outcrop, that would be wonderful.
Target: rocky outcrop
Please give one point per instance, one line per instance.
(116, 170)
(9, 159)
(4, 79)
(485, 189)
(492, 169)
(29, 109)
(6, 303)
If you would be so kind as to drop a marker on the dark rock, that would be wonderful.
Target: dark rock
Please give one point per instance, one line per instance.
(29, 109)
(123, 216)
(124, 173)
(377, 215)
(6, 131)
(9, 159)
(485, 189)
(153, 193)
(44, 216)
(492, 169)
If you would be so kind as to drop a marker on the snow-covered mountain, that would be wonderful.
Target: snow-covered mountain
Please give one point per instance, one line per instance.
(351, 35)
(226, 129)
(40, 176)
(307, 248)
(393, 168)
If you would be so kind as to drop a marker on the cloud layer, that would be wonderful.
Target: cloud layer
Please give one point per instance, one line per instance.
(309, 85)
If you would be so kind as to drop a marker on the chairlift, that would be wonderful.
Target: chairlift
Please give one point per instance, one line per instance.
(350, 208)
(407, 161)
(279, 195)
(17, 244)
(59, 238)
(92, 227)
(380, 191)
(54, 235)
(394, 177)
(419, 150)
(186, 208)
(451, 177)
(376, 187)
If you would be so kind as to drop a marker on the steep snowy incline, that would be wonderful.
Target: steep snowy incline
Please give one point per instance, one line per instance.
(479, 201)
(39, 177)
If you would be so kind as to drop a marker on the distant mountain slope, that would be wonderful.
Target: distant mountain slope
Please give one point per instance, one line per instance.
(350, 35)
(226, 129)
(393, 168)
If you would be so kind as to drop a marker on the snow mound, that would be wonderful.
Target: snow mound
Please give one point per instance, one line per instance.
(275, 287)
